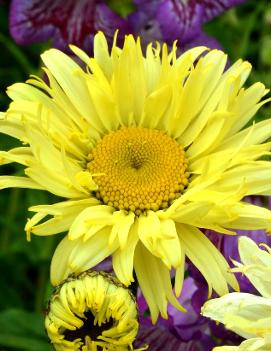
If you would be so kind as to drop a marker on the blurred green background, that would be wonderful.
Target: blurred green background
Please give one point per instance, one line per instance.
(243, 32)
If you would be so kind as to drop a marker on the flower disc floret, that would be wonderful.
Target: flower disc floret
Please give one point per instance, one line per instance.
(139, 169)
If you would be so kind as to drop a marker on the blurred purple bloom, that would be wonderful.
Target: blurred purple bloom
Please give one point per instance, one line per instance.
(181, 331)
(168, 20)
(105, 265)
(158, 338)
(75, 22)
(64, 21)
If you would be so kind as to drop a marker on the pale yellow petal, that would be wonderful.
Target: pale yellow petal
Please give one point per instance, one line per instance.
(247, 104)
(64, 213)
(11, 127)
(179, 276)
(169, 249)
(209, 134)
(226, 348)
(197, 214)
(65, 70)
(18, 182)
(255, 344)
(260, 132)
(122, 223)
(156, 105)
(60, 109)
(22, 155)
(249, 217)
(254, 175)
(95, 215)
(55, 183)
(196, 92)
(88, 254)
(123, 258)
(158, 291)
(206, 257)
(75, 256)
(126, 83)
(104, 105)
(101, 54)
(60, 262)
(256, 265)
(230, 83)
(226, 159)
(245, 314)
(149, 230)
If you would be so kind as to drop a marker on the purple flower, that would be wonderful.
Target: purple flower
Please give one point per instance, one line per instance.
(75, 22)
(183, 331)
(168, 20)
(64, 21)
(159, 338)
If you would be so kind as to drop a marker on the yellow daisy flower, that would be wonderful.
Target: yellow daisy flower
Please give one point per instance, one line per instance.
(92, 311)
(145, 149)
(246, 314)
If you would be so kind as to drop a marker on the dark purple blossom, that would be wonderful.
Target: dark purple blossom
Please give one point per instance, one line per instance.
(75, 22)
(169, 20)
(105, 265)
(63, 21)
(181, 331)
(159, 338)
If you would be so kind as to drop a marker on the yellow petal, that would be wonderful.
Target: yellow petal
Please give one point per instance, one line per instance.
(18, 182)
(65, 70)
(206, 257)
(63, 214)
(95, 215)
(245, 314)
(122, 222)
(123, 258)
(256, 265)
(158, 291)
(87, 254)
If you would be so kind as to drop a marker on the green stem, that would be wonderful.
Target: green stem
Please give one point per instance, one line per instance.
(14, 201)
(17, 53)
(43, 274)
(250, 24)
(41, 287)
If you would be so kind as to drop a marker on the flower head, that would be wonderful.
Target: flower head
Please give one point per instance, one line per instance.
(92, 311)
(63, 21)
(246, 314)
(145, 149)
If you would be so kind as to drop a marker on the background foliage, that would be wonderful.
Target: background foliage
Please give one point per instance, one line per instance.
(243, 32)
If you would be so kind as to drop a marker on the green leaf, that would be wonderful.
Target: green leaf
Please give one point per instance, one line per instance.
(21, 330)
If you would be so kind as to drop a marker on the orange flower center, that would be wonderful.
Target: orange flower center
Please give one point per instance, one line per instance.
(142, 169)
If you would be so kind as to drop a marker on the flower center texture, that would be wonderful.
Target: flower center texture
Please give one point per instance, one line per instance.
(139, 169)
(89, 328)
